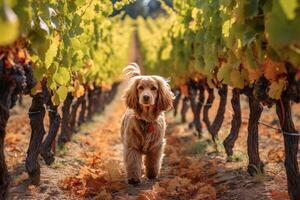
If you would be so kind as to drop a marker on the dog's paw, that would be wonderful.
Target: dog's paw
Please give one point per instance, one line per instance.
(134, 181)
(151, 175)
(152, 172)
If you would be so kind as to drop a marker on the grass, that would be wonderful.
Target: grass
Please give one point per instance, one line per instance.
(62, 150)
(80, 161)
(56, 165)
(235, 158)
(260, 176)
(198, 147)
(219, 145)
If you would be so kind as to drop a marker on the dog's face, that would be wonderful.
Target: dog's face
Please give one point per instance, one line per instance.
(149, 91)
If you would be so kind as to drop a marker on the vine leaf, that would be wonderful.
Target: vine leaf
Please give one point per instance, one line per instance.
(9, 25)
(276, 88)
(37, 89)
(273, 70)
(62, 93)
(289, 7)
(52, 51)
(62, 76)
(78, 89)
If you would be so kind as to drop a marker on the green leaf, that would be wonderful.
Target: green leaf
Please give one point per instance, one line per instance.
(250, 8)
(237, 79)
(51, 84)
(24, 11)
(62, 76)
(62, 93)
(280, 30)
(224, 73)
(55, 99)
(52, 52)
(40, 42)
(289, 7)
(9, 25)
(80, 3)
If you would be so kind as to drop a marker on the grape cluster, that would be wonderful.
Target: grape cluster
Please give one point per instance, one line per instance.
(18, 78)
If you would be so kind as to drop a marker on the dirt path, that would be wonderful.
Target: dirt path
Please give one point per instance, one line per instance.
(191, 167)
(232, 181)
(102, 133)
(97, 144)
(96, 150)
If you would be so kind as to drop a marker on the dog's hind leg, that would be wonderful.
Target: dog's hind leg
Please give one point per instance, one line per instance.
(153, 162)
(133, 162)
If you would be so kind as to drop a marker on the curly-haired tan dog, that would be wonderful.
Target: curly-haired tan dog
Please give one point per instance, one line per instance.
(143, 124)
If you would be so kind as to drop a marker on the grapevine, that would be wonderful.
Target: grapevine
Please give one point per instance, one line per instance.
(58, 53)
(239, 44)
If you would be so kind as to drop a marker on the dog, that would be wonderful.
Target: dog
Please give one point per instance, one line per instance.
(143, 124)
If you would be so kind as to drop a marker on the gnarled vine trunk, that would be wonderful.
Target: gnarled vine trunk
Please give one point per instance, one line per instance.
(176, 101)
(192, 92)
(113, 91)
(74, 111)
(219, 118)
(90, 107)
(5, 103)
(4, 177)
(98, 100)
(255, 165)
(82, 113)
(184, 108)
(65, 132)
(235, 122)
(291, 143)
(199, 105)
(55, 120)
(36, 115)
(207, 106)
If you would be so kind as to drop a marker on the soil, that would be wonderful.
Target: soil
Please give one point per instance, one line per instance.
(231, 180)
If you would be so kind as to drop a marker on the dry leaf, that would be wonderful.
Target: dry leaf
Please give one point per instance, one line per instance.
(276, 155)
(273, 70)
(279, 195)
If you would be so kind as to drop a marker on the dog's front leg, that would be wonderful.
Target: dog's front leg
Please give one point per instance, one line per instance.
(153, 162)
(133, 162)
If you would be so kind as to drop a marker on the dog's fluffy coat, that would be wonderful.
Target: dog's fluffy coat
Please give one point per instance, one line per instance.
(143, 124)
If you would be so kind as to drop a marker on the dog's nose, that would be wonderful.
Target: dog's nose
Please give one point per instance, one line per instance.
(146, 98)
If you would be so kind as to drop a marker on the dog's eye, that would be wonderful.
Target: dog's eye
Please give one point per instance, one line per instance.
(141, 88)
(153, 88)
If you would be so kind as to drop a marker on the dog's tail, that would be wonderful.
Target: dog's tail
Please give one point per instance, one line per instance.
(132, 70)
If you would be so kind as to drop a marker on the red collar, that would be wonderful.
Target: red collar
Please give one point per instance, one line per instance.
(147, 127)
(151, 128)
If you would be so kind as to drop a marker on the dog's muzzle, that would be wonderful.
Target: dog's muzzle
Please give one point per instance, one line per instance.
(146, 98)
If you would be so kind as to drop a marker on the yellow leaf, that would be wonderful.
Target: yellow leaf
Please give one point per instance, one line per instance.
(276, 88)
(78, 89)
(37, 89)
(289, 7)
(237, 79)
(9, 25)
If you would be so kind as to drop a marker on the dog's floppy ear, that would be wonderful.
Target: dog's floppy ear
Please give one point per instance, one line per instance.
(131, 96)
(165, 95)
(132, 70)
